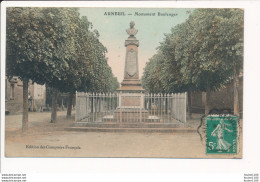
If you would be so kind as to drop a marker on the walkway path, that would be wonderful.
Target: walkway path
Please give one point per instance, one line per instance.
(14, 122)
(45, 139)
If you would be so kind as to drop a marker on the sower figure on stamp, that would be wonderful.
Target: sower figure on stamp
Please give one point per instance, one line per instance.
(219, 132)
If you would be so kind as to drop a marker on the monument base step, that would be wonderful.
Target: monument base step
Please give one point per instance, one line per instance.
(133, 130)
(127, 125)
(148, 119)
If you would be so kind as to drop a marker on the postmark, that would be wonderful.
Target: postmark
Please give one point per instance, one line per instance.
(221, 134)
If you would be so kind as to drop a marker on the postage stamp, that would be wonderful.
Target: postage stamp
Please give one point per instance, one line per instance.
(221, 134)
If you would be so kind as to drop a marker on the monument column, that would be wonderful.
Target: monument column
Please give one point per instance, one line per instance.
(131, 93)
(131, 82)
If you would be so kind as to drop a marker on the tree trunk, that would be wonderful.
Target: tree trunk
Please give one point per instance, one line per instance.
(54, 105)
(189, 104)
(25, 123)
(207, 107)
(69, 109)
(236, 97)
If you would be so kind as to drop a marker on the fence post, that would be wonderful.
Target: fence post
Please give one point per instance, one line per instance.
(77, 107)
(185, 104)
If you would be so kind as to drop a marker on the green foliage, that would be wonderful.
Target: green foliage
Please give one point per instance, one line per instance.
(151, 79)
(54, 46)
(25, 43)
(199, 54)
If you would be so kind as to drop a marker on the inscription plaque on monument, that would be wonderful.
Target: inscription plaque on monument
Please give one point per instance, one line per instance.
(131, 67)
(131, 101)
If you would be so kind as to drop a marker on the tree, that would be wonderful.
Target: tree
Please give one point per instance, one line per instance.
(90, 64)
(163, 71)
(202, 54)
(54, 46)
(64, 23)
(151, 79)
(213, 49)
(40, 47)
(26, 49)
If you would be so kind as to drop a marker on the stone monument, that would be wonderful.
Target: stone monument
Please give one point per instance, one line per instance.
(131, 94)
(131, 82)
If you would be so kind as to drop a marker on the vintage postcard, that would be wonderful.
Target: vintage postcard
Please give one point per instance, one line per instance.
(124, 82)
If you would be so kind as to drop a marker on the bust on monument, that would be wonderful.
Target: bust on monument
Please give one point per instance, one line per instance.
(132, 31)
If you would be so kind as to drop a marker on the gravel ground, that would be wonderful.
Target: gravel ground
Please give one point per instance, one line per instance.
(45, 139)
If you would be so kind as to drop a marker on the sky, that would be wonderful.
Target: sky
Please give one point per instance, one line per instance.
(151, 25)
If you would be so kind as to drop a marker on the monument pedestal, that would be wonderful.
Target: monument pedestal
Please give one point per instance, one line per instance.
(131, 115)
(131, 107)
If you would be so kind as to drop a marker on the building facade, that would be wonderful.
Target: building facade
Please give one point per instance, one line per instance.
(14, 96)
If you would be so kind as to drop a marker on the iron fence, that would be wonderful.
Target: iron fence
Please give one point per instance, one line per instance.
(103, 107)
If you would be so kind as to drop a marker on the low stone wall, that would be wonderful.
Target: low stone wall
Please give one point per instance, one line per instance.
(222, 99)
(13, 107)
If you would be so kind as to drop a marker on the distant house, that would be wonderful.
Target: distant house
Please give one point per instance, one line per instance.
(14, 96)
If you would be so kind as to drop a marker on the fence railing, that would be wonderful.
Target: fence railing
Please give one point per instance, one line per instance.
(179, 105)
(168, 107)
(95, 106)
(100, 107)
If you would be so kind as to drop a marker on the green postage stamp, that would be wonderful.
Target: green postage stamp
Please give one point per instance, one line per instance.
(221, 134)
